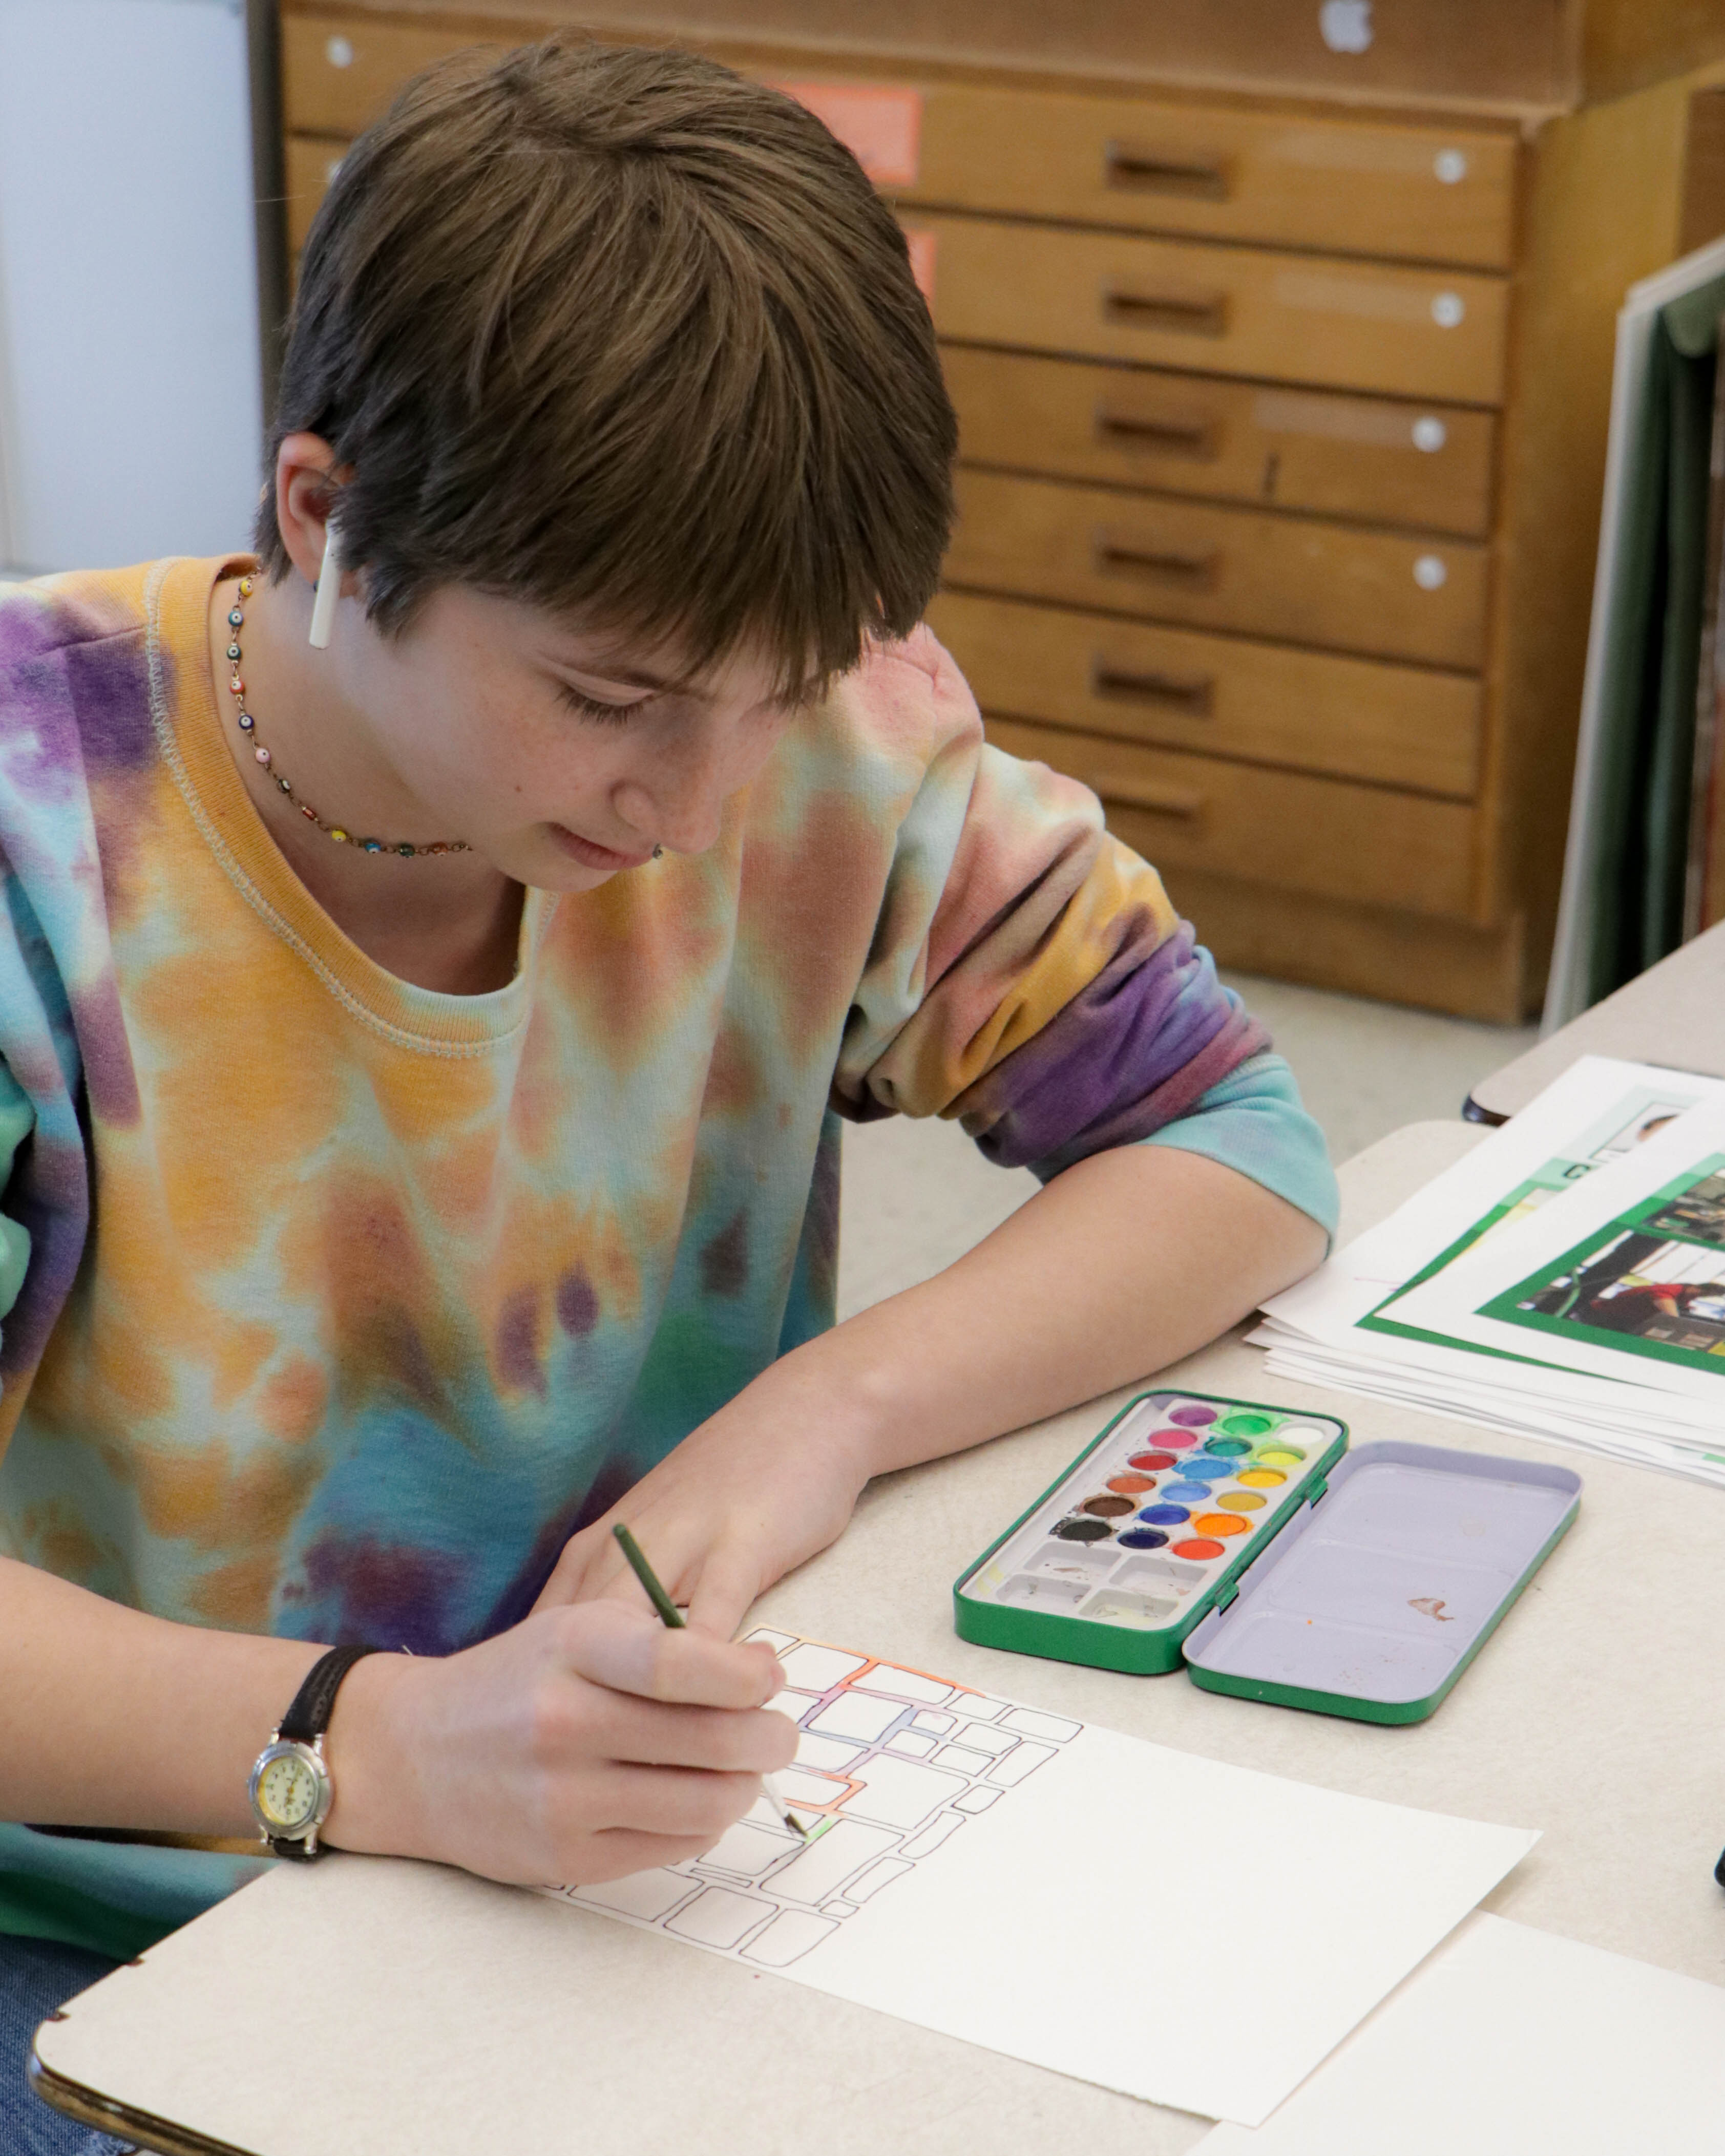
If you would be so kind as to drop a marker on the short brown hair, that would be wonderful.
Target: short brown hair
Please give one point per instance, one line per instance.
(620, 332)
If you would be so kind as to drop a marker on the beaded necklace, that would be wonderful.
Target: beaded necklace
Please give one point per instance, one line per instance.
(248, 728)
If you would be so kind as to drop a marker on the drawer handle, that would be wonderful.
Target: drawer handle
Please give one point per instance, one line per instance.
(1191, 314)
(1140, 557)
(1147, 170)
(1176, 438)
(1179, 801)
(1190, 693)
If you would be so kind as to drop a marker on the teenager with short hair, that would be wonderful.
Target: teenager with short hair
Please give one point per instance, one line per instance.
(419, 1047)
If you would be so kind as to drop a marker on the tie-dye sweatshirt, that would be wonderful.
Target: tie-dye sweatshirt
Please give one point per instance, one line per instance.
(333, 1306)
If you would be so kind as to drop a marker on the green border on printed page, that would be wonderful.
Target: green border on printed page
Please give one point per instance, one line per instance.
(1506, 1308)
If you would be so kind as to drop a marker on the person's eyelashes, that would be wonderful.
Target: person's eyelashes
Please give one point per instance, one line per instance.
(590, 707)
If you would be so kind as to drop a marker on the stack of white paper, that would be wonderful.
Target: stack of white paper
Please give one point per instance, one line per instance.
(1566, 1280)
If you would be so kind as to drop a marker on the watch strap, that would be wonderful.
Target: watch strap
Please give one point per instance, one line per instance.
(308, 1717)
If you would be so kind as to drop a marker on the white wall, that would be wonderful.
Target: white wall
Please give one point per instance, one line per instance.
(130, 419)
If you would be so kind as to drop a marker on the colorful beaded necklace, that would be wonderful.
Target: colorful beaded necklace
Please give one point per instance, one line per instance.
(248, 728)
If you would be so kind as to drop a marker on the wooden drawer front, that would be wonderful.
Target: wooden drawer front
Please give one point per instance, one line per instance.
(1219, 310)
(1247, 569)
(311, 163)
(1365, 457)
(337, 75)
(1351, 718)
(1267, 827)
(1355, 187)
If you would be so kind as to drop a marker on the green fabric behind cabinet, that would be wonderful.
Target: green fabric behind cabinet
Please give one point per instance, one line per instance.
(1629, 837)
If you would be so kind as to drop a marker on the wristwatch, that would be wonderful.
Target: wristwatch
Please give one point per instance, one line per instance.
(291, 1788)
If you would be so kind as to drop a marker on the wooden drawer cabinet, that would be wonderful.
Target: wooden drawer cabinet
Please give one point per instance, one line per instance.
(1347, 186)
(1322, 835)
(1299, 577)
(1334, 184)
(1425, 466)
(1282, 369)
(1217, 695)
(1236, 311)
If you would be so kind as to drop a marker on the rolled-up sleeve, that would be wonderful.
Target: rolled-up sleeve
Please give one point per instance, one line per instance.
(1256, 1123)
(1031, 978)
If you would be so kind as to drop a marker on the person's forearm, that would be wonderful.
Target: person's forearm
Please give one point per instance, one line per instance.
(111, 1718)
(579, 1744)
(1120, 1265)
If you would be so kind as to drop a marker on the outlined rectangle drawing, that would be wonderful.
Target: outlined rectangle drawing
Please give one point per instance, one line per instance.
(950, 1874)
(866, 1787)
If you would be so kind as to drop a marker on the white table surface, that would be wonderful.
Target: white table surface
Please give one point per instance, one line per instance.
(362, 2008)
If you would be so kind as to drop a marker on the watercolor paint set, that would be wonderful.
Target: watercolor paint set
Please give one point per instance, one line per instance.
(1147, 1530)
(1247, 1544)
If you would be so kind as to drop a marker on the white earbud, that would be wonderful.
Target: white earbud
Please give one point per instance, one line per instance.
(329, 587)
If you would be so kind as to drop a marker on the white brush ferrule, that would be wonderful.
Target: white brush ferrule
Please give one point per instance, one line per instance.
(329, 589)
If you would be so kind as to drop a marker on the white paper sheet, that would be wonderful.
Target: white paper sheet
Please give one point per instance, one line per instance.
(1586, 1120)
(1597, 1116)
(1036, 1885)
(1513, 2042)
(1454, 1302)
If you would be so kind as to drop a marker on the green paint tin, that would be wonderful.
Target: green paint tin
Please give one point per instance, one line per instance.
(1084, 1576)
(1272, 1562)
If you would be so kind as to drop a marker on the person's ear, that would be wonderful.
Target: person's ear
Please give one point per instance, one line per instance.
(307, 486)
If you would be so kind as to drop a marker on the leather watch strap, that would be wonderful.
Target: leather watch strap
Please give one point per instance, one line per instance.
(307, 1720)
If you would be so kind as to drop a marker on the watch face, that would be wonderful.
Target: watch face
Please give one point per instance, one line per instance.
(287, 1793)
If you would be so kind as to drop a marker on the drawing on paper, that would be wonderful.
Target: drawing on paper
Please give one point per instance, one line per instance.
(891, 1764)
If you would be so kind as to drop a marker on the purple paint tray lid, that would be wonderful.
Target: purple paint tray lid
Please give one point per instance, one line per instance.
(1375, 1599)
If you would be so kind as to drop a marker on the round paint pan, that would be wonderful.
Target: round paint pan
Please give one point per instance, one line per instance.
(1262, 1478)
(1131, 1485)
(1193, 1415)
(1083, 1530)
(1204, 1467)
(1227, 1448)
(1187, 1493)
(1242, 1500)
(1199, 1551)
(1164, 1516)
(1249, 1422)
(1220, 1525)
(1144, 1538)
(1108, 1507)
(1153, 1463)
(1275, 1453)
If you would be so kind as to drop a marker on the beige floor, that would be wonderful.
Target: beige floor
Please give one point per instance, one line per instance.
(918, 1194)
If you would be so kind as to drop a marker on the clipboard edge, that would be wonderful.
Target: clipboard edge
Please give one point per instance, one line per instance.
(89, 2108)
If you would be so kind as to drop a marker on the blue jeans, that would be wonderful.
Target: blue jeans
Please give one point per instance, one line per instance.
(36, 1976)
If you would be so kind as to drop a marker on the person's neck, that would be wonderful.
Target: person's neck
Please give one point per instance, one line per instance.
(451, 922)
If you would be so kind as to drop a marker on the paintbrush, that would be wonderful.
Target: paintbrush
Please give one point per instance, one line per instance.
(670, 1614)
